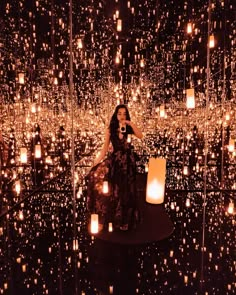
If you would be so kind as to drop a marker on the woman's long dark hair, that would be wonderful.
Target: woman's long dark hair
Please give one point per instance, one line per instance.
(114, 123)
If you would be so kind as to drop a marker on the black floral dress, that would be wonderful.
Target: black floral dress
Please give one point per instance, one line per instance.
(119, 205)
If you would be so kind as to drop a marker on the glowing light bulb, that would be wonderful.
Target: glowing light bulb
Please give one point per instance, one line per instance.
(21, 78)
(94, 224)
(190, 103)
(105, 187)
(212, 41)
(231, 208)
(119, 25)
(189, 28)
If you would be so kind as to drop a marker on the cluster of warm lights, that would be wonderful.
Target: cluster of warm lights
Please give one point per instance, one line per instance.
(166, 93)
(156, 261)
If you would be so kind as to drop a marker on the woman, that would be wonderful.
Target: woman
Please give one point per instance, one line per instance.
(3, 150)
(119, 204)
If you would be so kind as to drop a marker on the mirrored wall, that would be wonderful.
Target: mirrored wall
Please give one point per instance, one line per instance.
(64, 66)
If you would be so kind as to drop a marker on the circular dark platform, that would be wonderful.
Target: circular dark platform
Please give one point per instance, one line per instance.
(156, 226)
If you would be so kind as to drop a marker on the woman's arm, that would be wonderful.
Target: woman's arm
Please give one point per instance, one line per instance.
(137, 132)
(2, 142)
(4, 148)
(104, 150)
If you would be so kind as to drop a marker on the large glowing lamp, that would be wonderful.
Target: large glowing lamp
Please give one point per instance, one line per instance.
(23, 155)
(94, 223)
(212, 41)
(190, 103)
(38, 151)
(155, 190)
(231, 145)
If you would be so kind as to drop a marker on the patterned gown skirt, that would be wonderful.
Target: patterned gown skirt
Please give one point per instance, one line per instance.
(119, 204)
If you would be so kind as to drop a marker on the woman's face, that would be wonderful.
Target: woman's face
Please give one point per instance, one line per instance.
(121, 115)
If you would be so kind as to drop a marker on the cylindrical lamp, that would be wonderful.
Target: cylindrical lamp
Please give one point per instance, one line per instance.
(231, 145)
(190, 99)
(162, 111)
(231, 208)
(155, 190)
(17, 187)
(23, 155)
(211, 41)
(142, 63)
(110, 227)
(37, 151)
(189, 28)
(185, 170)
(94, 223)
(79, 43)
(21, 78)
(105, 187)
(129, 138)
(119, 25)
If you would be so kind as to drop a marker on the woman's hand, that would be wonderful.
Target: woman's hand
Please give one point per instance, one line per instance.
(127, 122)
(136, 130)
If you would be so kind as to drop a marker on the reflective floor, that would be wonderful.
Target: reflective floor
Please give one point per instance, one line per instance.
(47, 249)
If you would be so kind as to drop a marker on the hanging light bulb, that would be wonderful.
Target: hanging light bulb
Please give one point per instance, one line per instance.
(21, 78)
(21, 215)
(187, 203)
(162, 111)
(117, 59)
(55, 81)
(37, 151)
(185, 170)
(79, 43)
(197, 167)
(211, 41)
(119, 25)
(33, 108)
(227, 116)
(105, 187)
(48, 160)
(110, 227)
(231, 207)
(231, 145)
(142, 64)
(129, 138)
(189, 28)
(75, 245)
(18, 187)
(23, 155)
(94, 223)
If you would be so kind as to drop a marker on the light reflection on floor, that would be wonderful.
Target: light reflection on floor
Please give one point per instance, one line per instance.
(37, 255)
